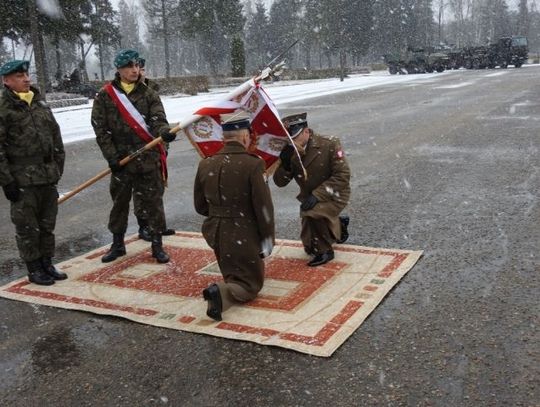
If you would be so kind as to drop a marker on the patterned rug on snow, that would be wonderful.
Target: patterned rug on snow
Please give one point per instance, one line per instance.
(307, 309)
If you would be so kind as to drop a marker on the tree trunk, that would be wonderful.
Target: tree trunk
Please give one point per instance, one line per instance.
(342, 61)
(166, 41)
(101, 70)
(37, 46)
(308, 56)
(58, 54)
(82, 68)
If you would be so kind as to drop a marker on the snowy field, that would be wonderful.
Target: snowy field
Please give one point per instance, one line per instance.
(75, 121)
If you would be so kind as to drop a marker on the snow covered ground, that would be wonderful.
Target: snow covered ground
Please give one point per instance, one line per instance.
(75, 121)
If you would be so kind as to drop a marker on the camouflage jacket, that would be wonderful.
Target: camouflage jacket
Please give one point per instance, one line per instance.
(114, 136)
(31, 148)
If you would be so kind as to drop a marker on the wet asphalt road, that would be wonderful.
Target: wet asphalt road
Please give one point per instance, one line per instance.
(449, 165)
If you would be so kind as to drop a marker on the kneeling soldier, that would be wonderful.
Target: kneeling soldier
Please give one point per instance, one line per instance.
(232, 192)
(325, 192)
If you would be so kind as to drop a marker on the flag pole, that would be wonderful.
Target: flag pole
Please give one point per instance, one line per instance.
(266, 73)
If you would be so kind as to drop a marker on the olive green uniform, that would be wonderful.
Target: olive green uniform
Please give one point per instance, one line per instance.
(232, 192)
(141, 176)
(328, 177)
(31, 155)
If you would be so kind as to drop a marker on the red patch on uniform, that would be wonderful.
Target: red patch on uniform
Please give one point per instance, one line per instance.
(340, 153)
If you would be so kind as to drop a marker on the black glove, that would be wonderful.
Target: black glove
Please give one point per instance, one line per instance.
(115, 166)
(167, 136)
(309, 203)
(285, 156)
(12, 191)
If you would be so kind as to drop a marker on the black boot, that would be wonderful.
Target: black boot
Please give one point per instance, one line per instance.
(144, 232)
(46, 263)
(37, 275)
(321, 258)
(118, 248)
(215, 304)
(157, 249)
(344, 220)
(168, 232)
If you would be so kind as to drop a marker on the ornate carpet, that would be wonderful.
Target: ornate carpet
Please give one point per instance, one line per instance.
(310, 310)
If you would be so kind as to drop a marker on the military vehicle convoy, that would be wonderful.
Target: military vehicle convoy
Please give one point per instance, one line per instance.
(506, 51)
(416, 60)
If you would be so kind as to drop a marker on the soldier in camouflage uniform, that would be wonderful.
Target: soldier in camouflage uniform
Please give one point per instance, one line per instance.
(142, 176)
(31, 164)
(323, 194)
(144, 233)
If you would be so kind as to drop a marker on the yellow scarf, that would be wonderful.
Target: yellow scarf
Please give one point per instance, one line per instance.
(26, 96)
(128, 87)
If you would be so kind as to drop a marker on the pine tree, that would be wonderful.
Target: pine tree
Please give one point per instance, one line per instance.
(159, 13)
(103, 33)
(258, 37)
(213, 23)
(523, 18)
(285, 18)
(128, 26)
(238, 58)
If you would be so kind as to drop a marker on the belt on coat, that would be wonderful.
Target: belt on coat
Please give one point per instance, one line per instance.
(225, 212)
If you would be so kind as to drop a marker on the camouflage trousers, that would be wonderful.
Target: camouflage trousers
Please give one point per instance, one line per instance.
(34, 217)
(147, 190)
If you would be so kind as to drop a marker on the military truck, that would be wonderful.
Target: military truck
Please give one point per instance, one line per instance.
(509, 51)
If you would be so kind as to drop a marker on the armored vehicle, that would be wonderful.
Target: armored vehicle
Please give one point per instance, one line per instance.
(437, 59)
(455, 59)
(411, 60)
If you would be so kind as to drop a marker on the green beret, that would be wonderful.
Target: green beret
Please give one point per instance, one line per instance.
(16, 65)
(125, 56)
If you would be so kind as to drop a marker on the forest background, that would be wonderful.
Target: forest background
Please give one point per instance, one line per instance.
(235, 37)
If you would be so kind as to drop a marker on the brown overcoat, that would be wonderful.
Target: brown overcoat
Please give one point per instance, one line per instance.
(328, 179)
(231, 191)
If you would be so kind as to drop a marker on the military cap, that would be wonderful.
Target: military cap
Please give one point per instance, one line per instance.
(235, 121)
(295, 123)
(125, 56)
(16, 65)
(142, 62)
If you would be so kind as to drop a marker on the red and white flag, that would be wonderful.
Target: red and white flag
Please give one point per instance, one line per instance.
(268, 132)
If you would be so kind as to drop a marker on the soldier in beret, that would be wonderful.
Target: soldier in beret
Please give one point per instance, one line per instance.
(127, 115)
(231, 190)
(323, 194)
(31, 164)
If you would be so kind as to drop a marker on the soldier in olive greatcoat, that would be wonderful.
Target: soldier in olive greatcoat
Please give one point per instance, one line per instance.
(118, 135)
(324, 193)
(231, 190)
(31, 164)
